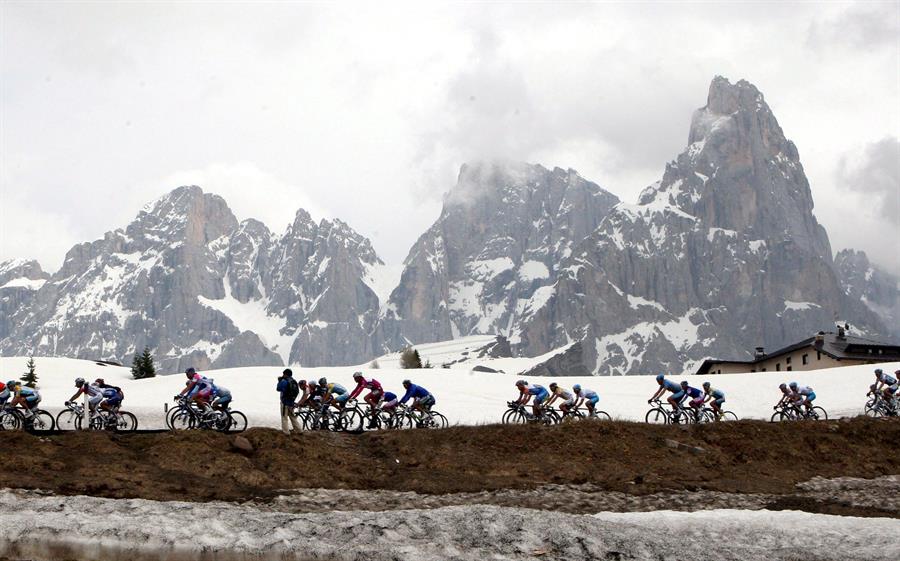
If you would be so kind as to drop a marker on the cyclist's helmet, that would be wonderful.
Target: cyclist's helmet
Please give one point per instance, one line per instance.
(576, 388)
(706, 384)
(793, 385)
(406, 383)
(190, 372)
(879, 372)
(323, 382)
(302, 383)
(684, 384)
(782, 386)
(357, 375)
(521, 383)
(12, 383)
(100, 382)
(553, 385)
(79, 382)
(311, 383)
(660, 377)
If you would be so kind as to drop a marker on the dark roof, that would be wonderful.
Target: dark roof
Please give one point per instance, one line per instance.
(848, 347)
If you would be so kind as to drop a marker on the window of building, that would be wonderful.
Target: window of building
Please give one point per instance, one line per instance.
(818, 355)
(787, 360)
(762, 369)
(804, 359)
(778, 366)
(789, 368)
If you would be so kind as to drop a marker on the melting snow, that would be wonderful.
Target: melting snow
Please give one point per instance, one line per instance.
(532, 270)
(30, 284)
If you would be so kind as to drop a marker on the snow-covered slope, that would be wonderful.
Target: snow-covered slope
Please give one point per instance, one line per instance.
(465, 396)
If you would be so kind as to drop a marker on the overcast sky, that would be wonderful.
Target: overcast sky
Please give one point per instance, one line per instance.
(365, 112)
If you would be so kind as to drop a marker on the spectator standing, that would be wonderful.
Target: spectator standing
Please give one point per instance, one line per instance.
(289, 390)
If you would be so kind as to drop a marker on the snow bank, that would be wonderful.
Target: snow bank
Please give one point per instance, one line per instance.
(52, 527)
(464, 396)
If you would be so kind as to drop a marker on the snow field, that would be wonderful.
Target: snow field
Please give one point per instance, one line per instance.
(464, 396)
(78, 527)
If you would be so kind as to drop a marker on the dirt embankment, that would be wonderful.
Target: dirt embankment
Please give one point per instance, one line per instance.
(742, 457)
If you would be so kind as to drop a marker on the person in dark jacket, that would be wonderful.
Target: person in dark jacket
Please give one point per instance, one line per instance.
(289, 390)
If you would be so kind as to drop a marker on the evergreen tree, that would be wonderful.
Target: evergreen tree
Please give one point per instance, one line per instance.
(142, 366)
(30, 378)
(374, 365)
(410, 358)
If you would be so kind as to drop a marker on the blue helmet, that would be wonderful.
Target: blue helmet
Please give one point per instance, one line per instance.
(684, 384)
(660, 377)
(793, 385)
(576, 388)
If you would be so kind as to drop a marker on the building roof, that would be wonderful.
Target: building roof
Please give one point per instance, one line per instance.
(838, 347)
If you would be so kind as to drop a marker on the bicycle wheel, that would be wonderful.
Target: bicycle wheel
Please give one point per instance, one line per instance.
(10, 420)
(510, 417)
(68, 420)
(437, 421)
(601, 416)
(126, 421)
(42, 421)
(182, 420)
(873, 412)
(350, 420)
(818, 413)
(728, 416)
(171, 415)
(778, 417)
(238, 421)
(657, 416)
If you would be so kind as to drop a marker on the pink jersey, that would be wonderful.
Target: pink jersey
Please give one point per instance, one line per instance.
(372, 384)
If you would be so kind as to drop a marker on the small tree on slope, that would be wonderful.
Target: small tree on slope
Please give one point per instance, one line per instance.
(30, 378)
(142, 366)
(410, 358)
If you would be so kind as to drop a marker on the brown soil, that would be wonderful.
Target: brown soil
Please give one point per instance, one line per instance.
(742, 457)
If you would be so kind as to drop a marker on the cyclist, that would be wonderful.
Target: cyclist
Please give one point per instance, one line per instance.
(198, 387)
(803, 395)
(586, 396)
(558, 392)
(112, 395)
(697, 397)
(4, 394)
(422, 398)
(221, 398)
(94, 393)
(670, 386)
(28, 398)
(887, 384)
(527, 391)
(715, 398)
(374, 395)
(389, 402)
(334, 394)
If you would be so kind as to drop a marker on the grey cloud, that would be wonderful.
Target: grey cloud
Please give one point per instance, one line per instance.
(876, 174)
(862, 26)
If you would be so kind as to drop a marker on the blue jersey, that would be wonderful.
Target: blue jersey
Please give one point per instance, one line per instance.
(693, 392)
(671, 386)
(414, 391)
(390, 396)
(588, 394)
(337, 389)
(888, 380)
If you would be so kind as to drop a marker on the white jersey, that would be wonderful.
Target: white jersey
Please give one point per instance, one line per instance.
(804, 390)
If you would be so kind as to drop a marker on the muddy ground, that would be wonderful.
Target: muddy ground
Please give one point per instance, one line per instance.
(573, 468)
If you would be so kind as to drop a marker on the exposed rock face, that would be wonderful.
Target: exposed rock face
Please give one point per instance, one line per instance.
(186, 279)
(493, 255)
(877, 289)
(19, 283)
(721, 255)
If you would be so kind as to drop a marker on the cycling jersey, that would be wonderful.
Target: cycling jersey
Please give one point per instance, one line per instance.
(91, 389)
(31, 395)
(718, 394)
(336, 389)
(804, 390)
(887, 380)
(672, 386)
(563, 393)
(415, 392)
(535, 389)
(219, 391)
(373, 386)
(693, 392)
(390, 396)
(4, 395)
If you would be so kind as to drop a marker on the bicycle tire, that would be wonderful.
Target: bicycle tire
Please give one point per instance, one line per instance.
(822, 415)
(171, 414)
(873, 412)
(728, 416)
(9, 420)
(126, 422)
(657, 416)
(237, 421)
(68, 420)
(601, 416)
(438, 421)
(42, 421)
(351, 420)
(183, 420)
(508, 417)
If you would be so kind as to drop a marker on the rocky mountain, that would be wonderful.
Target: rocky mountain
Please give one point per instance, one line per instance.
(874, 287)
(493, 255)
(201, 289)
(721, 255)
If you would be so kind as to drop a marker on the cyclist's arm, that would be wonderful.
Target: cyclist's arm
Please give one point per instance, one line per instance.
(188, 388)
(658, 393)
(76, 394)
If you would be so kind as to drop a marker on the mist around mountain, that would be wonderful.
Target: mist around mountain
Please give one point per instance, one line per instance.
(721, 255)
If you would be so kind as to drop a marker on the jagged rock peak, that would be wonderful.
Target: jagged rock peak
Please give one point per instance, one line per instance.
(21, 269)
